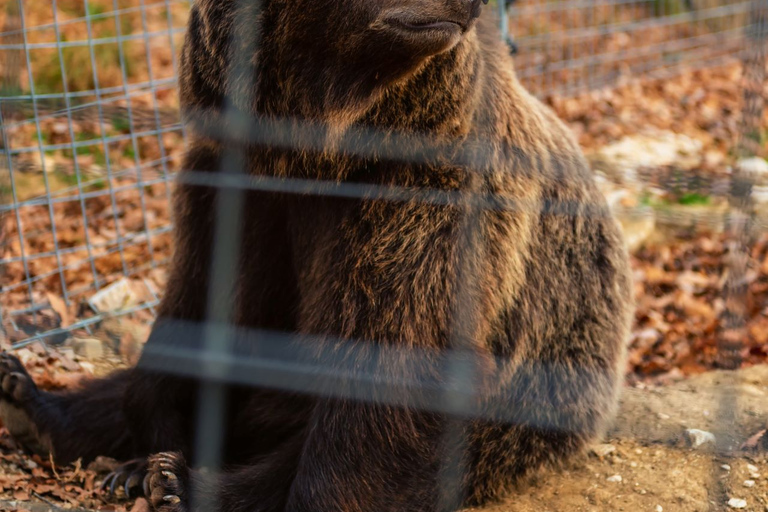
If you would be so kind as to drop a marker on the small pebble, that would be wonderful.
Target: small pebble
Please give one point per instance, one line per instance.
(601, 450)
(663, 416)
(752, 468)
(659, 508)
(614, 478)
(737, 503)
(754, 476)
(633, 464)
(726, 467)
(749, 483)
(698, 437)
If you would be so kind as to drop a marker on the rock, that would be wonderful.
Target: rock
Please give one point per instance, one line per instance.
(601, 450)
(59, 128)
(659, 508)
(89, 348)
(726, 467)
(749, 483)
(752, 468)
(697, 438)
(759, 194)
(652, 149)
(614, 478)
(755, 166)
(737, 503)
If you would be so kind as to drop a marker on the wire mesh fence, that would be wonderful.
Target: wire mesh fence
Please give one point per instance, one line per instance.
(573, 46)
(91, 131)
(91, 138)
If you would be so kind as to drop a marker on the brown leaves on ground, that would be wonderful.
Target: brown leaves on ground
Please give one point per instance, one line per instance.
(26, 478)
(706, 104)
(682, 305)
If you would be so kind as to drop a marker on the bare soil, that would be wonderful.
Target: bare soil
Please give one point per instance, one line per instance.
(646, 447)
(658, 468)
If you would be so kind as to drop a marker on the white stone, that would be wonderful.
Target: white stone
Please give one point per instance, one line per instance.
(760, 194)
(89, 348)
(753, 165)
(749, 483)
(752, 468)
(659, 508)
(614, 478)
(726, 467)
(698, 437)
(737, 503)
(601, 450)
(652, 149)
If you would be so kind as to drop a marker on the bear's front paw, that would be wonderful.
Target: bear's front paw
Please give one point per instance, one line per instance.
(128, 476)
(165, 485)
(16, 384)
(18, 398)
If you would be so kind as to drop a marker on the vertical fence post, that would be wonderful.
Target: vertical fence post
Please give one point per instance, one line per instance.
(218, 328)
(740, 221)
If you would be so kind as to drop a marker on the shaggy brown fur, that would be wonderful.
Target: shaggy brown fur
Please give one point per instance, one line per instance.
(496, 251)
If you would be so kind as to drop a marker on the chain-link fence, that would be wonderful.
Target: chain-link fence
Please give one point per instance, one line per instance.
(578, 45)
(91, 137)
(91, 132)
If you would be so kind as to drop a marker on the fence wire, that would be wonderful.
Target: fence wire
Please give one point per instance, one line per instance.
(91, 136)
(91, 133)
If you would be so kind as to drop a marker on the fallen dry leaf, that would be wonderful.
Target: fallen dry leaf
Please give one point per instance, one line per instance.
(141, 505)
(60, 307)
(753, 442)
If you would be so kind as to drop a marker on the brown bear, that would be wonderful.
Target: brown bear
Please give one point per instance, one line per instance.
(398, 257)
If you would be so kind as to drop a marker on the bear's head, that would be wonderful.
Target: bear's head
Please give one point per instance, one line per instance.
(320, 60)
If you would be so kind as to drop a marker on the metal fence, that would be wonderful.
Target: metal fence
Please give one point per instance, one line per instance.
(572, 46)
(91, 133)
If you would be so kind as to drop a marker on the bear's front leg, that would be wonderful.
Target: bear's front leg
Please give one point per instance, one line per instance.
(19, 401)
(70, 425)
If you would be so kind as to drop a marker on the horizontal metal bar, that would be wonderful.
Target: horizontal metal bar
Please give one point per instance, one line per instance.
(734, 36)
(575, 34)
(94, 17)
(96, 141)
(144, 37)
(146, 86)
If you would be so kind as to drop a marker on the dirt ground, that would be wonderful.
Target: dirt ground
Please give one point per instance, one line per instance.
(658, 469)
(645, 462)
